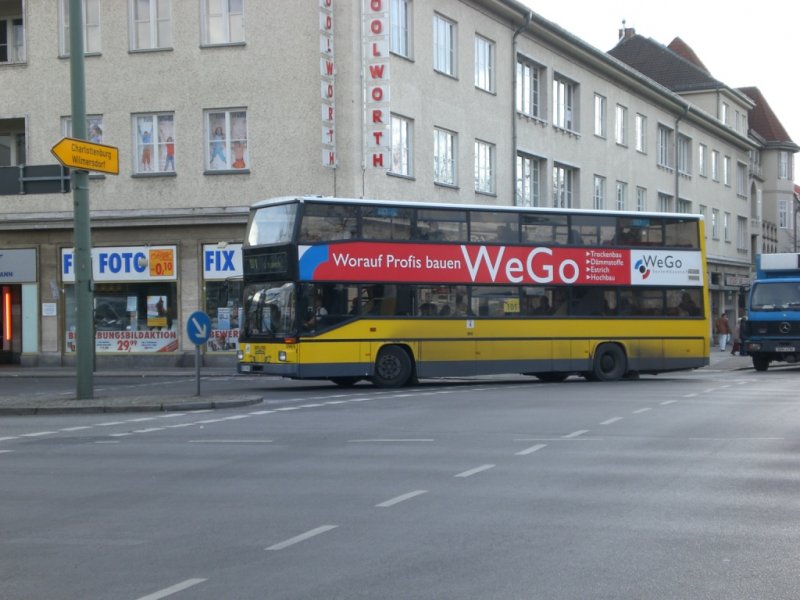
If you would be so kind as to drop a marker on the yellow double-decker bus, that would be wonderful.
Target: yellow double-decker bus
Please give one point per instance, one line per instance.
(347, 290)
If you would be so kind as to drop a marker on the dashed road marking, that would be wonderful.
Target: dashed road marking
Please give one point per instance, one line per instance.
(401, 498)
(302, 537)
(530, 450)
(475, 471)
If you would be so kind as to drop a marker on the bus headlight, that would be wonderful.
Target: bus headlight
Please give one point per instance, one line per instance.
(282, 356)
(239, 355)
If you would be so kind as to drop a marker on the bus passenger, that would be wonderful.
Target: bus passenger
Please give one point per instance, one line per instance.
(544, 306)
(317, 312)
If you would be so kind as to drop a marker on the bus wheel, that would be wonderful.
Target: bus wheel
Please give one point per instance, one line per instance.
(551, 376)
(392, 367)
(345, 381)
(610, 363)
(760, 362)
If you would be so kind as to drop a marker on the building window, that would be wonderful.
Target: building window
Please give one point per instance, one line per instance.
(599, 195)
(726, 225)
(703, 210)
(564, 179)
(702, 158)
(401, 19)
(529, 90)
(12, 142)
(528, 180)
(444, 157)
(91, 26)
(715, 223)
(684, 206)
(564, 103)
(741, 180)
(684, 155)
(641, 133)
(401, 146)
(622, 195)
(226, 140)
(154, 147)
(726, 170)
(484, 64)
(784, 221)
(444, 45)
(641, 199)
(599, 115)
(741, 234)
(784, 165)
(151, 24)
(715, 165)
(12, 40)
(484, 167)
(621, 126)
(664, 147)
(664, 202)
(223, 21)
(723, 113)
(94, 128)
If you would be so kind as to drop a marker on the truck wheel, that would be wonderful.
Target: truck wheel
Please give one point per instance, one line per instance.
(760, 362)
(392, 367)
(610, 363)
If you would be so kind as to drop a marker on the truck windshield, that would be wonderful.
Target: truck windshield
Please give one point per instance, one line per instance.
(269, 309)
(777, 295)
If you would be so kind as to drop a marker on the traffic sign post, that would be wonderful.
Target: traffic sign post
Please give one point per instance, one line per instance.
(198, 328)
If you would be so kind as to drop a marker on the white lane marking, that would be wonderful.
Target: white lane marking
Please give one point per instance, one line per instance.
(119, 434)
(690, 395)
(475, 471)
(337, 402)
(310, 405)
(148, 430)
(235, 417)
(141, 420)
(173, 589)
(401, 498)
(302, 537)
(737, 439)
(230, 441)
(288, 408)
(575, 434)
(667, 402)
(107, 442)
(389, 440)
(80, 428)
(205, 422)
(641, 410)
(611, 420)
(5, 439)
(179, 425)
(37, 434)
(109, 424)
(171, 415)
(6, 451)
(262, 412)
(530, 450)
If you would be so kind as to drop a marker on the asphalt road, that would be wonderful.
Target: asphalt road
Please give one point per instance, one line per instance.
(680, 486)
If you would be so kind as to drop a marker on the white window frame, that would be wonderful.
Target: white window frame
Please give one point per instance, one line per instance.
(741, 234)
(444, 45)
(231, 33)
(702, 159)
(784, 219)
(600, 115)
(684, 155)
(91, 27)
(741, 179)
(565, 99)
(233, 147)
(564, 182)
(641, 133)
(641, 199)
(726, 226)
(95, 128)
(445, 159)
(664, 203)
(715, 165)
(15, 46)
(400, 17)
(530, 99)
(152, 23)
(484, 167)
(684, 206)
(664, 146)
(529, 178)
(784, 165)
(484, 63)
(402, 146)
(621, 125)
(622, 195)
(160, 127)
(726, 170)
(715, 223)
(599, 194)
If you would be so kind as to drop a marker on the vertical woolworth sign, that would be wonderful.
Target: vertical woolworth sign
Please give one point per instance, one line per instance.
(377, 119)
(327, 70)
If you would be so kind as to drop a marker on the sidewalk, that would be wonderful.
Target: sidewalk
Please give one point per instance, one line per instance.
(104, 402)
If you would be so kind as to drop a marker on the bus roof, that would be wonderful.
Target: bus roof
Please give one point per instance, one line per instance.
(446, 206)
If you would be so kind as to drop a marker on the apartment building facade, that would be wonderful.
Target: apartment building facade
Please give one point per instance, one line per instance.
(216, 104)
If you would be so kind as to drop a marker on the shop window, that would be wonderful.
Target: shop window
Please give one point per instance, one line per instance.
(223, 306)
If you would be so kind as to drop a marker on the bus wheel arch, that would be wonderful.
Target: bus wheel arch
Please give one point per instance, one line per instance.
(394, 366)
(610, 362)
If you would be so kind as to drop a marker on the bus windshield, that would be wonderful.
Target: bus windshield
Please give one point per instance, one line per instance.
(269, 309)
(272, 225)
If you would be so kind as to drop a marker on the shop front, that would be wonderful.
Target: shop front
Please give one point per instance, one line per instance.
(18, 304)
(222, 290)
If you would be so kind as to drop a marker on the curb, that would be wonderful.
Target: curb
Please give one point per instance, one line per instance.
(167, 406)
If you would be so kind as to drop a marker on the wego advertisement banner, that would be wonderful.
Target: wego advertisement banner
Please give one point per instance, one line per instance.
(515, 265)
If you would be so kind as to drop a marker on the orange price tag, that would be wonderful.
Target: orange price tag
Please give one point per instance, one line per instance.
(162, 263)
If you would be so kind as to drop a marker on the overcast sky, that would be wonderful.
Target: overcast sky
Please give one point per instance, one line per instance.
(741, 44)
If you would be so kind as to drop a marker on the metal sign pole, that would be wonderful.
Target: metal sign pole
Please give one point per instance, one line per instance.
(197, 368)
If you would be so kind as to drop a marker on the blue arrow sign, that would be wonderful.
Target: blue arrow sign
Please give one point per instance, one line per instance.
(198, 328)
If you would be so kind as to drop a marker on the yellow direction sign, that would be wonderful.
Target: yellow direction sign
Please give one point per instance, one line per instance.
(86, 156)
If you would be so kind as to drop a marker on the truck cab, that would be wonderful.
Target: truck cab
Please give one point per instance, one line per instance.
(772, 330)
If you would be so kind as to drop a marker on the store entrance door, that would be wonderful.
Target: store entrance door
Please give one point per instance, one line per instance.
(10, 324)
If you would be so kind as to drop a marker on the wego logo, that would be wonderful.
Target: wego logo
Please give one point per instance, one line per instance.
(539, 270)
(642, 268)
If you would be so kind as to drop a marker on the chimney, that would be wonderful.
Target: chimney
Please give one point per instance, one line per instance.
(626, 33)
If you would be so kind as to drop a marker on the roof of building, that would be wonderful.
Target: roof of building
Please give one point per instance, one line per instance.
(671, 67)
(762, 119)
